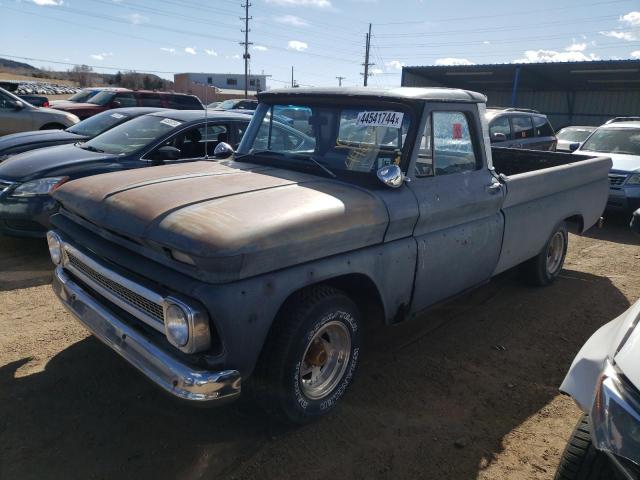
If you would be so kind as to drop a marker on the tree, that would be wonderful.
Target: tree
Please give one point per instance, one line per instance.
(82, 74)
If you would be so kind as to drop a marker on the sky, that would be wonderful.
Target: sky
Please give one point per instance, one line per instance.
(321, 39)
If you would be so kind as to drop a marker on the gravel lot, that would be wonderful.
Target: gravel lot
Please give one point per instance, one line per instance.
(436, 398)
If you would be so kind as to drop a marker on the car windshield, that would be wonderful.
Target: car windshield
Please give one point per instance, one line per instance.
(83, 95)
(102, 98)
(132, 135)
(99, 123)
(340, 138)
(227, 104)
(614, 140)
(574, 134)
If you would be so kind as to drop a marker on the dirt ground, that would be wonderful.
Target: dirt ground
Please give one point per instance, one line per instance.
(466, 392)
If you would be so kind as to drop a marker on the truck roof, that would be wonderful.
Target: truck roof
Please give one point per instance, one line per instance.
(436, 94)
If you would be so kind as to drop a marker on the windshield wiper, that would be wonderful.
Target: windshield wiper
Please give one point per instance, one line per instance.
(314, 160)
(84, 146)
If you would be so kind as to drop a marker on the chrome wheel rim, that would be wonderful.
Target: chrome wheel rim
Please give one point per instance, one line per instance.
(555, 252)
(325, 360)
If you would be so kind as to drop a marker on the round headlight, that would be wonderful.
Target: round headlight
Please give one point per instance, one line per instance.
(176, 324)
(55, 247)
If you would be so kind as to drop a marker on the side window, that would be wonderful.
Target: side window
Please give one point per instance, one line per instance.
(500, 125)
(6, 103)
(453, 150)
(543, 127)
(150, 100)
(522, 127)
(241, 129)
(424, 163)
(126, 99)
(184, 102)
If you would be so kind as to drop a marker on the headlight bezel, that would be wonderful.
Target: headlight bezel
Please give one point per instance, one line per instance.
(39, 187)
(199, 333)
(54, 242)
(633, 180)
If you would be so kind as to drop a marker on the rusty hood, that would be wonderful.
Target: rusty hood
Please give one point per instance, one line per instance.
(233, 219)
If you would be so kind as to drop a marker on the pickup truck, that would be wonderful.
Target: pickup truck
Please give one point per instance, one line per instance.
(260, 272)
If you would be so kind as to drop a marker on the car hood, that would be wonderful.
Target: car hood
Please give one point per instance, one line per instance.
(47, 161)
(621, 162)
(37, 136)
(234, 220)
(72, 106)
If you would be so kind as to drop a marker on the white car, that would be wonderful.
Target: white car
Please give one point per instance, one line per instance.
(604, 380)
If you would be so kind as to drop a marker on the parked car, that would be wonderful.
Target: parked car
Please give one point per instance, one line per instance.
(17, 115)
(238, 104)
(160, 138)
(604, 380)
(635, 222)
(121, 97)
(82, 96)
(520, 128)
(35, 100)
(570, 138)
(263, 271)
(82, 131)
(619, 140)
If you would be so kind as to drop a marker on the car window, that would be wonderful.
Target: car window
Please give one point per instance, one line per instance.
(126, 99)
(452, 145)
(500, 125)
(522, 127)
(543, 127)
(614, 140)
(241, 129)
(150, 100)
(424, 162)
(6, 102)
(193, 142)
(99, 123)
(184, 102)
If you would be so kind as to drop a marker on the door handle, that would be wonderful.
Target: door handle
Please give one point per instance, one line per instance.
(494, 187)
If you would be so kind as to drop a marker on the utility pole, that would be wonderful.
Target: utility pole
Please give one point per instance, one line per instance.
(366, 57)
(293, 83)
(246, 44)
(340, 80)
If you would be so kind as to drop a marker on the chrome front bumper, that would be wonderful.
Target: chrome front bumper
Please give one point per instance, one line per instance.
(172, 375)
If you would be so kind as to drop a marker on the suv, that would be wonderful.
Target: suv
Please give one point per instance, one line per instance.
(122, 97)
(520, 128)
(17, 115)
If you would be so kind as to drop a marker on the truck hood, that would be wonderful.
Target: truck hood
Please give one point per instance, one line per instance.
(234, 220)
(39, 163)
(37, 136)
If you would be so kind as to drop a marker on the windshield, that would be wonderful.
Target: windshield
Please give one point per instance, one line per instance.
(102, 98)
(99, 123)
(132, 135)
(341, 138)
(227, 104)
(614, 140)
(574, 134)
(83, 95)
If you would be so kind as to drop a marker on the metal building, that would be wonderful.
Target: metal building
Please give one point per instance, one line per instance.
(234, 81)
(570, 93)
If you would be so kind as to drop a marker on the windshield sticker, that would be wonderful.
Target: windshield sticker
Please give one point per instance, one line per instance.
(117, 116)
(380, 119)
(457, 131)
(172, 123)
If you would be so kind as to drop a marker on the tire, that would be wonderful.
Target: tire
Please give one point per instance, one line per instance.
(542, 271)
(580, 460)
(295, 355)
(53, 126)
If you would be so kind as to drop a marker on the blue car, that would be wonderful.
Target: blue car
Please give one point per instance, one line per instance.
(164, 137)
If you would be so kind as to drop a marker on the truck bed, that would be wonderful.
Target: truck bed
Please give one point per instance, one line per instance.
(543, 189)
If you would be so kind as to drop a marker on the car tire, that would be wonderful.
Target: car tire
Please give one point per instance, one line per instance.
(53, 126)
(310, 356)
(545, 267)
(580, 459)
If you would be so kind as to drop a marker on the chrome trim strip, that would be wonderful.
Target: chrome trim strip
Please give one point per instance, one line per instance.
(119, 279)
(169, 373)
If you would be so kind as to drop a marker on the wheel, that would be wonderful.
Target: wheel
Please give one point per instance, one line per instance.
(310, 356)
(53, 126)
(580, 460)
(543, 269)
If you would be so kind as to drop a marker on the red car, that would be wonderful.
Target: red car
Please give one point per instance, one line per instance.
(123, 97)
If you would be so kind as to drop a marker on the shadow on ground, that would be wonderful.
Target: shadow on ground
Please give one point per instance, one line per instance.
(471, 371)
(24, 262)
(615, 229)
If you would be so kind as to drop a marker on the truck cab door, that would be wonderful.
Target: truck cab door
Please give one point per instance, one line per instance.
(459, 228)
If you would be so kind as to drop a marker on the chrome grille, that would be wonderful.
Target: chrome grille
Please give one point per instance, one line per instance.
(125, 294)
(616, 180)
(4, 185)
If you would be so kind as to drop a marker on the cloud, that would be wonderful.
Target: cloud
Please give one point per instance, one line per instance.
(172, 51)
(376, 71)
(48, 3)
(292, 20)
(536, 56)
(576, 47)
(397, 64)
(297, 45)
(190, 50)
(136, 18)
(486, 42)
(211, 52)
(101, 56)
(632, 18)
(635, 54)
(233, 57)
(628, 36)
(260, 48)
(301, 3)
(453, 61)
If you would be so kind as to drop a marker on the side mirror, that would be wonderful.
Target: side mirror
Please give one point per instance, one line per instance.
(223, 150)
(635, 222)
(116, 104)
(166, 153)
(573, 147)
(498, 137)
(18, 105)
(391, 176)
